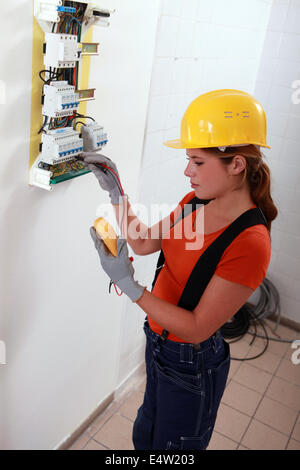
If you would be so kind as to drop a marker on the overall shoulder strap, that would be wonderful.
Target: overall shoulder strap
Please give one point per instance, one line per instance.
(208, 261)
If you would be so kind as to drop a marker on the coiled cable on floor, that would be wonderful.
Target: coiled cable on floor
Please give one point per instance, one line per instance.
(250, 316)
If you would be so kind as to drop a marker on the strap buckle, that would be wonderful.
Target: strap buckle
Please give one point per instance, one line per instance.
(164, 335)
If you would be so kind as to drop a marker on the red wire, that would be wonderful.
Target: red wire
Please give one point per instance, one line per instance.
(122, 192)
(116, 290)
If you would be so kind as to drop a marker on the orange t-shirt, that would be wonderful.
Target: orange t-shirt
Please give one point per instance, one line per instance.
(244, 261)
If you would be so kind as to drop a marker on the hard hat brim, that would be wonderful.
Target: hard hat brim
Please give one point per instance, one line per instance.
(178, 144)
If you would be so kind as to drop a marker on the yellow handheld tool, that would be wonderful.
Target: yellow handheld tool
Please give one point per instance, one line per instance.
(107, 234)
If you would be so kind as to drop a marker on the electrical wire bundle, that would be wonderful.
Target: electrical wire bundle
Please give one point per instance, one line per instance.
(249, 316)
(71, 24)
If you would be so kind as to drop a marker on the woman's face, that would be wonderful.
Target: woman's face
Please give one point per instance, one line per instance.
(209, 175)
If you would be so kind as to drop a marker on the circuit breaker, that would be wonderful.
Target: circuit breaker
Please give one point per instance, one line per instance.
(61, 145)
(62, 50)
(60, 99)
(93, 137)
(64, 23)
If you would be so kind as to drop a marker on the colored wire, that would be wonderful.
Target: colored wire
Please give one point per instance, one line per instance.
(50, 73)
(85, 117)
(44, 124)
(118, 182)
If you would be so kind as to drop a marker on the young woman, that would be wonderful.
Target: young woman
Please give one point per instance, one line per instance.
(197, 288)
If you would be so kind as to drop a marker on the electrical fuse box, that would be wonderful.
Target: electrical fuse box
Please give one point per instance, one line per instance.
(65, 24)
(62, 50)
(60, 99)
(60, 145)
(93, 137)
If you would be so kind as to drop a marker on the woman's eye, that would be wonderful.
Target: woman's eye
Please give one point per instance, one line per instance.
(196, 163)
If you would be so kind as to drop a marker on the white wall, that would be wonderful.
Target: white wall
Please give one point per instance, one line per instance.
(60, 325)
(279, 68)
(201, 46)
(70, 343)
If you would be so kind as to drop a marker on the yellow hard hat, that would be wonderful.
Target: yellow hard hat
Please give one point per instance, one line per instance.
(222, 118)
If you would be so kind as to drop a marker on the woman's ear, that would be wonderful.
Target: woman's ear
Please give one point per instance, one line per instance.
(237, 165)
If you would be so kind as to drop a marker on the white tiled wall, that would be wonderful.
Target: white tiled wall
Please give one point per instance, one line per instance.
(201, 46)
(279, 68)
(252, 45)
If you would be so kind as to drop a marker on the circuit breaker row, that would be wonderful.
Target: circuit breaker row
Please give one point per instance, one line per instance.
(60, 145)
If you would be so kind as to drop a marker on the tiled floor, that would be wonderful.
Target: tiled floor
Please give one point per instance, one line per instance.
(259, 409)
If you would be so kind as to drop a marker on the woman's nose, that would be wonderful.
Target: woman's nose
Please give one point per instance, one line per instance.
(189, 170)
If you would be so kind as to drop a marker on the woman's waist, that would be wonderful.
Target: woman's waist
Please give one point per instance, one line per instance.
(176, 344)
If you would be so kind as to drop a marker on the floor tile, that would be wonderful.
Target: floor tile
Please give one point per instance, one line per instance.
(286, 333)
(219, 442)
(93, 445)
(276, 415)
(239, 349)
(296, 430)
(261, 437)
(274, 347)
(267, 362)
(234, 366)
(116, 433)
(293, 445)
(131, 405)
(142, 385)
(241, 398)
(252, 377)
(80, 442)
(284, 392)
(289, 371)
(102, 418)
(282, 332)
(231, 423)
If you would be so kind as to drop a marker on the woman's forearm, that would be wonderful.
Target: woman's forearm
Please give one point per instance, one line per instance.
(132, 228)
(181, 322)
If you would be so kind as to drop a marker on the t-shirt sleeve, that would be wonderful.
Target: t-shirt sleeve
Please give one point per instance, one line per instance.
(247, 258)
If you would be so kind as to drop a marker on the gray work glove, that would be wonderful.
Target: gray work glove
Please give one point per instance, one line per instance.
(119, 268)
(107, 179)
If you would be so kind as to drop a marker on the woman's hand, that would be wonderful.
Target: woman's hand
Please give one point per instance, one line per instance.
(107, 179)
(119, 268)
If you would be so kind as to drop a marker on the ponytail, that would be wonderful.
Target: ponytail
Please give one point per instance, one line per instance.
(258, 176)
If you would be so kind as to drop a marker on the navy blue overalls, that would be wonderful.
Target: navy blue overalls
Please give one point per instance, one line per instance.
(185, 382)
